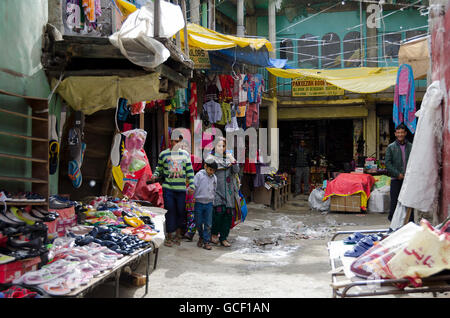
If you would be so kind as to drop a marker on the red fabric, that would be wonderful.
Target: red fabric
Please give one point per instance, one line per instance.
(196, 166)
(227, 83)
(349, 183)
(148, 192)
(193, 102)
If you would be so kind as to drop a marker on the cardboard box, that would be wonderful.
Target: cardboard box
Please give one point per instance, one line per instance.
(13, 270)
(351, 203)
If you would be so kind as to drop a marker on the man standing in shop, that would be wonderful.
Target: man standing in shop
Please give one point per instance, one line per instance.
(397, 155)
(175, 167)
(302, 159)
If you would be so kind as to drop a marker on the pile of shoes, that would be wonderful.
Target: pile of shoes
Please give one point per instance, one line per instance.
(111, 238)
(57, 202)
(71, 267)
(23, 233)
(361, 242)
(22, 197)
(17, 291)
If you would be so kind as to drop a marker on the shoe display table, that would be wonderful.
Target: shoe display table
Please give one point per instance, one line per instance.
(116, 271)
(346, 284)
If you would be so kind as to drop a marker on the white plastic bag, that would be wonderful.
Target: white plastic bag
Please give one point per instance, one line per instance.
(379, 200)
(135, 37)
(315, 200)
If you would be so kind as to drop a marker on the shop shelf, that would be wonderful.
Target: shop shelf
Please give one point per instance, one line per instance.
(23, 136)
(22, 179)
(17, 157)
(10, 112)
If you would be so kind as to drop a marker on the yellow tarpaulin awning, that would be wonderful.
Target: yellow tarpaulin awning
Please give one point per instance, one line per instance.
(90, 94)
(357, 80)
(207, 39)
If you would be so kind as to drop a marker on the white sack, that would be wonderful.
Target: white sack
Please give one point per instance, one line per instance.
(135, 37)
(398, 219)
(420, 187)
(379, 200)
(315, 200)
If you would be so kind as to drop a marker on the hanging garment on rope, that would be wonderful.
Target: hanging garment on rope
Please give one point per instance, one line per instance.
(404, 107)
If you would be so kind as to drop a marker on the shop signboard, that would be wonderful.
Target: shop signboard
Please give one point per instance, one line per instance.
(200, 58)
(309, 86)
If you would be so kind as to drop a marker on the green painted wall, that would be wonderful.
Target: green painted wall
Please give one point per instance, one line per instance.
(341, 23)
(21, 30)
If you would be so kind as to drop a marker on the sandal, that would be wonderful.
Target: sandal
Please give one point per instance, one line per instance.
(200, 242)
(360, 248)
(354, 238)
(214, 239)
(206, 246)
(225, 243)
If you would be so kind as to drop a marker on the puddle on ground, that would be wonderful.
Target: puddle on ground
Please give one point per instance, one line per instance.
(284, 232)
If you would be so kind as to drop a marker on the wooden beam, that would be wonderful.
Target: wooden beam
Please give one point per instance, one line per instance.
(172, 75)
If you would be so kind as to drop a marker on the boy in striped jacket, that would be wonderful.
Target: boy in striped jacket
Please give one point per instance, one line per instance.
(175, 168)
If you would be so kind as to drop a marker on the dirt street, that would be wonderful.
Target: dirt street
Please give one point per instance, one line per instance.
(279, 253)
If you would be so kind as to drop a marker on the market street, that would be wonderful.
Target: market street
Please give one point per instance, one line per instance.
(274, 254)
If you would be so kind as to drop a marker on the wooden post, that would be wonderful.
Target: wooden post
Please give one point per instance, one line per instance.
(185, 32)
(157, 17)
(177, 36)
(166, 128)
(142, 121)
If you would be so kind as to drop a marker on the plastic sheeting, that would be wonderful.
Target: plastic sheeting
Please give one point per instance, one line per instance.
(416, 54)
(207, 39)
(135, 37)
(357, 80)
(420, 187)
(246, 56)
(90, 94)
(316, 202)
(379, 200)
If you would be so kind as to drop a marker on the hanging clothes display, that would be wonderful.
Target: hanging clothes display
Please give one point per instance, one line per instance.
(233, 124)
(193, 101)
(226, 113)
(404, 107)
(420, 189)
(213, 88)
(214, 111)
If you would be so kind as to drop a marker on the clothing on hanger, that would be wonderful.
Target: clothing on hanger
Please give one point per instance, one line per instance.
(213, 110)
(404, 108)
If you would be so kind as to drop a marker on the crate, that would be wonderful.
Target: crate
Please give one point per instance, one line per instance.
(351, 203)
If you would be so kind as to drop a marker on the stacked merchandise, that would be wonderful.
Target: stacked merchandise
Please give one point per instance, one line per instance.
(81, 17)
(108, 229)
(276, 180)
(23, 236)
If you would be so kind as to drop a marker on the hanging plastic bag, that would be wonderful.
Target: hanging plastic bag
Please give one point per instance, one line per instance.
(135, 37)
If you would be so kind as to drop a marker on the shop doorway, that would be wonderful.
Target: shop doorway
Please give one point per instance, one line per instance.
(329, 139)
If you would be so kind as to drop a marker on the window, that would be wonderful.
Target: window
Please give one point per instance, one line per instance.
(392, 45)
(352, 49)
(331, 51)
(414, 34)
(308, 51)
(287, 50)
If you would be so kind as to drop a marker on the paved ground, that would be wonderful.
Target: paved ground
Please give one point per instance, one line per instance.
(279, 254)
